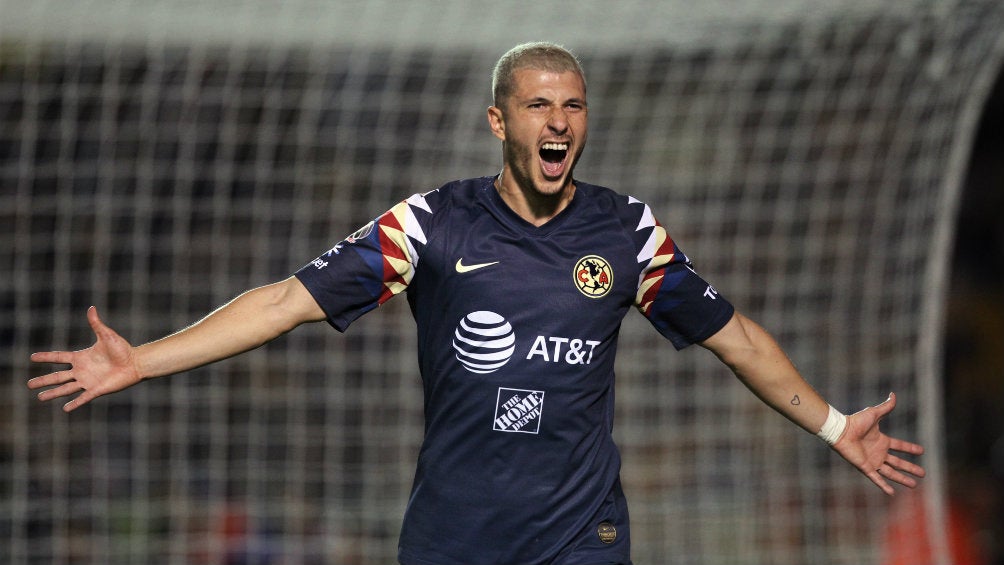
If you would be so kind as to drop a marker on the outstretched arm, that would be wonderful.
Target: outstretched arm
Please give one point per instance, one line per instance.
(762, 366)
(112, 363)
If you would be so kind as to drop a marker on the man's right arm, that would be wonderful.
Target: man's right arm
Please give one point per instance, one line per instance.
(112, 364)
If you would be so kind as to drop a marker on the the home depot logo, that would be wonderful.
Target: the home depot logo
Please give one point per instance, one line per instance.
(518, 410)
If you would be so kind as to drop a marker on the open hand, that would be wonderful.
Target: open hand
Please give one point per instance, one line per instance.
(870, 450)
(105, 367)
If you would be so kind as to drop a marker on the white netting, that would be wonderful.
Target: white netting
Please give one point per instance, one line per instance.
(809, 165)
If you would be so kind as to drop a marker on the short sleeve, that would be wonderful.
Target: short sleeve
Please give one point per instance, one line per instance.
(370, 266)
(680, 304)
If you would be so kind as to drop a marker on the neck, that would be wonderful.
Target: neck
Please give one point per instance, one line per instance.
(530, 204)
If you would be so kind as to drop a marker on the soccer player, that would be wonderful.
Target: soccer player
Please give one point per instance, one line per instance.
(518, 283)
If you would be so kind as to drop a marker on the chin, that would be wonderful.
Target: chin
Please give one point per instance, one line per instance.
(552, 187)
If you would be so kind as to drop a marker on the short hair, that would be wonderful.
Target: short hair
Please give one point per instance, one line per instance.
(540, 55)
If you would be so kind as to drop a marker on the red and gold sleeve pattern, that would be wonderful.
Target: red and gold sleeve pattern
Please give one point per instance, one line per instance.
(396, 231)
(658, 251)
(372, 265)
(681, 305)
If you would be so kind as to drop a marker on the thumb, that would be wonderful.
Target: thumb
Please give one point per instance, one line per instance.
(94, 320)
(887, 406)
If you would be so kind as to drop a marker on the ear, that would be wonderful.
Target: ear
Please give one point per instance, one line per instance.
(496, 121)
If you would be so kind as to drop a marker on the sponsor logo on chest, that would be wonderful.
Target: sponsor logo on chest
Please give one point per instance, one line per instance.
(484, 342)
(518, 410)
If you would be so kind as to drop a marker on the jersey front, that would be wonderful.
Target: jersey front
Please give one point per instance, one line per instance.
(517, 333)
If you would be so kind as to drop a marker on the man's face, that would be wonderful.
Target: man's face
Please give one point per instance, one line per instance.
(543, 127)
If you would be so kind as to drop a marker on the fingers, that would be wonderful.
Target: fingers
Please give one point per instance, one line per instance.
(79, 401)
(905, 446)
(871, 451)
(65, 389)
(891, 473)
(896, 470)
(896, 463)
(67, 386)
(879, 476)
(52, 357)
(60, 357)
(56, 378)
(66, 356)
(880, 482)
(91, 366)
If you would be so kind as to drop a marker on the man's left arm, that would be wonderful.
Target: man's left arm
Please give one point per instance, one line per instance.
(758, 361)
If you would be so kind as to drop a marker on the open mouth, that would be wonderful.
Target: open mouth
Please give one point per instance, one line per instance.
(552, 157)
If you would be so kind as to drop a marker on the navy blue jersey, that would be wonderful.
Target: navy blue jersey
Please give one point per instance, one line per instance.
(517, 333)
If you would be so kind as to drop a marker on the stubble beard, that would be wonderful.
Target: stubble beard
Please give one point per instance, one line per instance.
(528, 178)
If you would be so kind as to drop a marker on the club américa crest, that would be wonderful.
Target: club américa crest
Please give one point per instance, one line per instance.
(593, 276)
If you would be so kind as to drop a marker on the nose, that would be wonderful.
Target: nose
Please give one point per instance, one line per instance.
(557, 121)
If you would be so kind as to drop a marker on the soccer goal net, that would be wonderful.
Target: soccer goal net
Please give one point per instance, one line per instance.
(158, 158)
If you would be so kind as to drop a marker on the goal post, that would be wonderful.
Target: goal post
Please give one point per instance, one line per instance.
(157, 162)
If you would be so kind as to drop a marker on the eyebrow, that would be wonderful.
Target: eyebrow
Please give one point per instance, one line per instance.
(539, 99)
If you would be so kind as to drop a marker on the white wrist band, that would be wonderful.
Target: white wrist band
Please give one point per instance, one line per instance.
(833, 427)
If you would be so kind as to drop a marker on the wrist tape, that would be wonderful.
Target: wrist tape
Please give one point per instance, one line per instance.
(833, 427)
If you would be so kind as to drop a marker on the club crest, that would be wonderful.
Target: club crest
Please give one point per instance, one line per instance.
(593, 276)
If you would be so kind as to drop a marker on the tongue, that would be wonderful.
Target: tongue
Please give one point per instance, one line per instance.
(552, 168)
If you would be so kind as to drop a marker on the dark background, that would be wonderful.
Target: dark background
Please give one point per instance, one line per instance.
(974, 349)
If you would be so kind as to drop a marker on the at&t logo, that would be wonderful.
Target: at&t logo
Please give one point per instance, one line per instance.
(484, 341)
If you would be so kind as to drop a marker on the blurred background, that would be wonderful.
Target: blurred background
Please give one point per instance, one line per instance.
(974, 366)
(834, 168)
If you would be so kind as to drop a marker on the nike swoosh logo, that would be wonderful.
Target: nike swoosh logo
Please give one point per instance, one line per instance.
(461, 268)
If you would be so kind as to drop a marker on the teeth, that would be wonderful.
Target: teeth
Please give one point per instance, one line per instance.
(556, 146)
